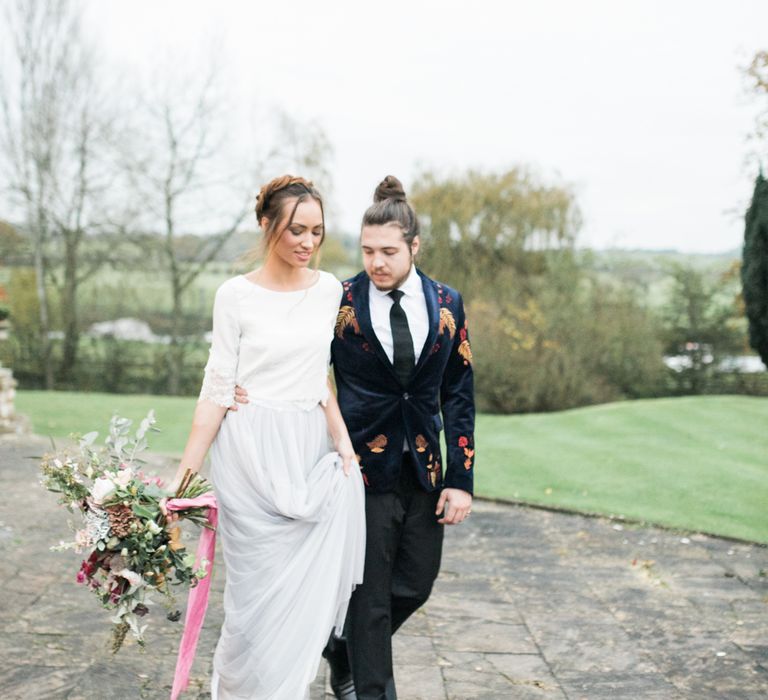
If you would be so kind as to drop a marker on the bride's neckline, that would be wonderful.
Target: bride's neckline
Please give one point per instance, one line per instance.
(283, 291)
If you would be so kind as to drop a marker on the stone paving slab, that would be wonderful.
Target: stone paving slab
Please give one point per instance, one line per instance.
(530, 604)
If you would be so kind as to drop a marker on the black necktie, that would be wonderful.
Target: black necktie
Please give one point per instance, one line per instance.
(403, 356)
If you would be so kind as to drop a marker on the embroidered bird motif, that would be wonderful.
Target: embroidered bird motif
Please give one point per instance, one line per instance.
(378, 444)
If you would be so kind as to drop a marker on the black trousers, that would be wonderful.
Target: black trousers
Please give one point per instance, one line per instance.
(402, 559)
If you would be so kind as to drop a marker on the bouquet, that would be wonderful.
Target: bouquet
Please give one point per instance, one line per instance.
(129, 552)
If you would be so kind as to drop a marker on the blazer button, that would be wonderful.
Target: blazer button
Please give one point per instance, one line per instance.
(406, 396)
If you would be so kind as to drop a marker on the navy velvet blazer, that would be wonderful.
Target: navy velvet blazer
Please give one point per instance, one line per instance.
(381, 413)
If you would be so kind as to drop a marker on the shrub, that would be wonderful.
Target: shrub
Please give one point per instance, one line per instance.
(557, 351)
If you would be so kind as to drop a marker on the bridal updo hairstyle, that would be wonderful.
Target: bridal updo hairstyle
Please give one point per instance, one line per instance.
(274, 200)
(390, 206)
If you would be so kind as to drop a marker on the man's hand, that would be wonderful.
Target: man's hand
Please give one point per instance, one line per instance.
(241, 396)
(455, 505)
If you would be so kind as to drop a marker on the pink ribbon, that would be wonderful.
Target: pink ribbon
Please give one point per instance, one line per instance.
(198, 596)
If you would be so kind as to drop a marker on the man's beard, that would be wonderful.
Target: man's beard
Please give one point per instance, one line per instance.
(396, 283)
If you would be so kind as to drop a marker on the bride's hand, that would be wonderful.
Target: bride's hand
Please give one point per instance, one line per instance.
(346, 452)
(171, 518)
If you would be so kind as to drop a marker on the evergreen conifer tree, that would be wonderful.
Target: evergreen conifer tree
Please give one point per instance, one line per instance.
(754, 269)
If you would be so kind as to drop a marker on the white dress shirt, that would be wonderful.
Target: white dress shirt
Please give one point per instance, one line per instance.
(412, 302)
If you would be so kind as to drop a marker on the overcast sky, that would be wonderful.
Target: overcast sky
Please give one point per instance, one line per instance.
(640, 106)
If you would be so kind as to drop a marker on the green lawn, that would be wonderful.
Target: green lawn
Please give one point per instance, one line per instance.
(698, 463)
(60, 413)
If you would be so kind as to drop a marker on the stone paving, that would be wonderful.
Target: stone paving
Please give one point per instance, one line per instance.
(530, 604)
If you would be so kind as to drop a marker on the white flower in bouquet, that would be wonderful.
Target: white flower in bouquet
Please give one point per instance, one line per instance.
(131, 576)
(123, 477)
(102, 489)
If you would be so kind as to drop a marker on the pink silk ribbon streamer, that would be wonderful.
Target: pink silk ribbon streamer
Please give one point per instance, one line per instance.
(198, 596)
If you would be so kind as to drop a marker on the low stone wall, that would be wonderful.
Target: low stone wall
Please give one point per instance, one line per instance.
(8, 421)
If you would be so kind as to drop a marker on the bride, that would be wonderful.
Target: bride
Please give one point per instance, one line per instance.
(291, 506)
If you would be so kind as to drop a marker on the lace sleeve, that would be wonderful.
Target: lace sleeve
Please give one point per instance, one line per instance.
(221, 369)
(218, 388)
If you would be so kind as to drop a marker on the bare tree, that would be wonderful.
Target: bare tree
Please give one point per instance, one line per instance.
(757, 77)
(175, 167)
(84, 210)
(31, 115)
(52, 144)
(302, 147)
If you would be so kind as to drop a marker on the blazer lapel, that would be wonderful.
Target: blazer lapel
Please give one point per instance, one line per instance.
(433, 312)
(361, 302)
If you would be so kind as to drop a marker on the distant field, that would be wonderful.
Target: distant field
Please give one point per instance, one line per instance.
(698, 463)
(112, 294)
(649, 270)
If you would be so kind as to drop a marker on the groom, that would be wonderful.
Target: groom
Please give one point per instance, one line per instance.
(401, 357)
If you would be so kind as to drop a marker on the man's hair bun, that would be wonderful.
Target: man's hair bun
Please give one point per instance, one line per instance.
(390, 188)
(391, 207)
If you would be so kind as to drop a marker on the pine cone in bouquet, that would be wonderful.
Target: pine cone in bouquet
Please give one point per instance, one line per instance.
(120, 519)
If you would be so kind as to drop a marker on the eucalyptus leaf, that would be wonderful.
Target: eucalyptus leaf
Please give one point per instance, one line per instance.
(89, 438)
(152, 490)
(145, 425)
(143, 511)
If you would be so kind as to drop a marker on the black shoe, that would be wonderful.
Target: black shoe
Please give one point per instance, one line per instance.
(344, 689)
(342, 685)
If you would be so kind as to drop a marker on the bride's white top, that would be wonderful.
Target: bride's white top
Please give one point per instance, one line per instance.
(275, 344)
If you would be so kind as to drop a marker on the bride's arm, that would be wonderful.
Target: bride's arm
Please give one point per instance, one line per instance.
(217, 391)
(205, 424)
(338, 430)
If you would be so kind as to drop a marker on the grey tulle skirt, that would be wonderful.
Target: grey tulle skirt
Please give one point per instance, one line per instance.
(292, 529)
